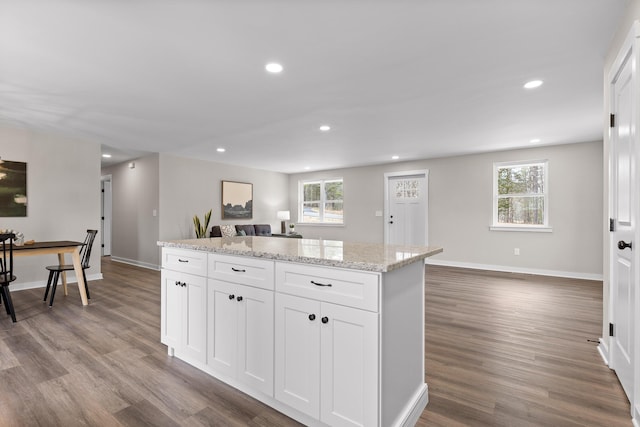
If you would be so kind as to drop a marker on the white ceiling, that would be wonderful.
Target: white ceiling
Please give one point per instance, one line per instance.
(413, 78)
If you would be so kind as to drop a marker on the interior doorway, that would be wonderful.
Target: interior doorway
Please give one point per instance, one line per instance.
(106, 212)
(406, 196)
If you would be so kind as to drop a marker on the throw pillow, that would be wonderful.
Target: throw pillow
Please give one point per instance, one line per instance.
(242, 233)
(228, 230)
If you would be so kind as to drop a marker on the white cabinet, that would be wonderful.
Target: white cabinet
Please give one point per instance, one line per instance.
(298, 353)
(349, 366)
(240, 334)
(327, 346)
(183, 314)
(240, 327)
(183, 311)
(326, 354)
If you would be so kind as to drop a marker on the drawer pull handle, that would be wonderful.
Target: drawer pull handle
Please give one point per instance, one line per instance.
(178, 283)
(182, 260)
(325, 319)
(232, 296)
(312, 317)
(239, 270)
(239, 299)
(321, 284)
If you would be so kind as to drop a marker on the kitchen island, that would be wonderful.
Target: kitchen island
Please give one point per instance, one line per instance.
(327, 332)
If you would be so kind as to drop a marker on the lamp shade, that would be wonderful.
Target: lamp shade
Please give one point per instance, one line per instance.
(284, 215)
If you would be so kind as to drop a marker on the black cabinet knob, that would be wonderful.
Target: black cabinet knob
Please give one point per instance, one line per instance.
(232, 296)
(312, 317)
(325, 319)
(239, 299)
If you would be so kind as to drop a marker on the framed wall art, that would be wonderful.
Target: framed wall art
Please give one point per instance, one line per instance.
(13, 189)
(237, 200)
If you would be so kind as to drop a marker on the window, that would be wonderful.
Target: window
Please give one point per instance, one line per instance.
(321, 202)
(520, 196)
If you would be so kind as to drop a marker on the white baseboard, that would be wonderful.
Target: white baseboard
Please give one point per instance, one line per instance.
(603, 349)
(509, 269)
(71, 278)
(136, 263)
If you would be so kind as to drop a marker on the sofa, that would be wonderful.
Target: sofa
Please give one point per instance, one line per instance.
(248, 229)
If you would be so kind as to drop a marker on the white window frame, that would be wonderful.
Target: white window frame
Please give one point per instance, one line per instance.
(322, 201)
(545, 227)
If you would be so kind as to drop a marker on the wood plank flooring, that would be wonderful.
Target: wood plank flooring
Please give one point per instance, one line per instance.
(502, 350)
(508, 349)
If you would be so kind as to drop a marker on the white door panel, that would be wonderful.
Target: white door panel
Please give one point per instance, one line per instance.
(624, 213)
(406, 209)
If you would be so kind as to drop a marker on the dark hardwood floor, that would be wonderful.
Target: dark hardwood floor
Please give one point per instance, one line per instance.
(502, 349)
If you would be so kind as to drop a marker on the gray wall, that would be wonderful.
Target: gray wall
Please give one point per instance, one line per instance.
(179, 188)
(63, 186)
(191, 187)
(136, 195)
(460, 211)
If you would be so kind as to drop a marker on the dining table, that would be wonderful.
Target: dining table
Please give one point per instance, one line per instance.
(59, 247)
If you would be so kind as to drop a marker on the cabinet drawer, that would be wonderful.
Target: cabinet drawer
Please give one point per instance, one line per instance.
(185, 260)
(340, 286)
(242, 270)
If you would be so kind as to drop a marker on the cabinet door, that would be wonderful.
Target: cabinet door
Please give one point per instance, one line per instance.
(194, 317)
(183, 314)
(171, 309)
(222, 327)
(297, 352)
(349, 366)
(255, 338)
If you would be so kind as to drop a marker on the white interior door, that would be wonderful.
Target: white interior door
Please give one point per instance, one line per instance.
(624, 213)
(406, 196)
(105, 236)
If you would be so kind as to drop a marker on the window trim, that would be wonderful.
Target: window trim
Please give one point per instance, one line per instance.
(322, 201)
(496, 226)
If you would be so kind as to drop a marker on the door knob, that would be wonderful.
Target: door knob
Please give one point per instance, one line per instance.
(232, 296)
(312, 317)
(622, 245)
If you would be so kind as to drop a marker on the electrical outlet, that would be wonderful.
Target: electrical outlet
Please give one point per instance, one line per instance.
(516, 251)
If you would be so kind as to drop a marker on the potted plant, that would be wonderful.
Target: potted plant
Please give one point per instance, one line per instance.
(292, 228)
(201, 228)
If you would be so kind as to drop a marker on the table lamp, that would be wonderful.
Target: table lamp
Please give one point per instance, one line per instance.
(284, 216)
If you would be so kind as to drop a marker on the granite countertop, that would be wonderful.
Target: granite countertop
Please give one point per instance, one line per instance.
(333, 253)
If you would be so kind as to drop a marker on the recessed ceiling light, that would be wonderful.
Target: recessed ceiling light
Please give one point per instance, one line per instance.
(533, 84)
(220, 150)
(325, 128)
(106, 156)
(273, 67)
(534, 140)
(395, 157)
(307, 168)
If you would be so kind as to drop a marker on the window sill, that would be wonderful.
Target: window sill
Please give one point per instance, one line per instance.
(318, 224)
(531, 229)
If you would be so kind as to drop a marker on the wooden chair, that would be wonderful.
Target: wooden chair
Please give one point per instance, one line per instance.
(6, 272)
(55, 270)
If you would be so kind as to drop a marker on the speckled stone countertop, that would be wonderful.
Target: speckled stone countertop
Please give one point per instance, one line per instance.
(333, 253)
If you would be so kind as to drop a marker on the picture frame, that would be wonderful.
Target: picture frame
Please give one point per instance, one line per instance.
(237, 200)
(13, 189)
